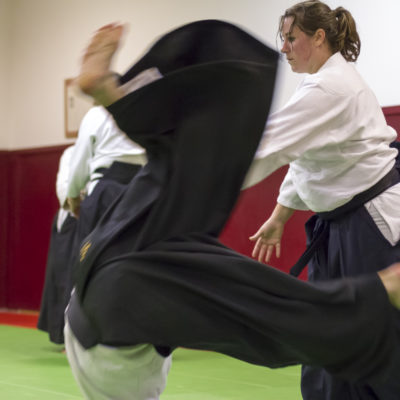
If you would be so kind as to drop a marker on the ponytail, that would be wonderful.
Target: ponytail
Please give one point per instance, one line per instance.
(347, 40)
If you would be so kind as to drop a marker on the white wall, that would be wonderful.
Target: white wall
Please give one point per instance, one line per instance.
(41, 42)
(4, 73)
(379, 61)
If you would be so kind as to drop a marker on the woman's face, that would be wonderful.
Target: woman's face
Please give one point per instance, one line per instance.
(297, 46)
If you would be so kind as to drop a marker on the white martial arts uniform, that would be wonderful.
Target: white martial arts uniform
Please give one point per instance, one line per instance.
(123, 373)
(334, 135)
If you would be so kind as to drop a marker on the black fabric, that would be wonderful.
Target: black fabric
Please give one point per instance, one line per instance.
(396, 145)
(199, 43)
(317, 237)
(59, 279)
(200, 126)
(153, 270)
(390, 179)
(106, 192)
(353, 246)
(193, 292)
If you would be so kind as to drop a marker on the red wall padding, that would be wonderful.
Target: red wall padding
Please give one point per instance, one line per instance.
(30, 207)
(4, 212)
(392, 115)
(253, 208)
(28, 204)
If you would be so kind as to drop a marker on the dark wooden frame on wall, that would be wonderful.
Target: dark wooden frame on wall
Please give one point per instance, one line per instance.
(76, 106)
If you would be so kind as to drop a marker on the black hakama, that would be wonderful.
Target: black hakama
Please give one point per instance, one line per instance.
(353, 245)
(58, 281)
(107, 190)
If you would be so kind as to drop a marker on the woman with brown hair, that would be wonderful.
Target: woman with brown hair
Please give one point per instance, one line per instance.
(334, 137)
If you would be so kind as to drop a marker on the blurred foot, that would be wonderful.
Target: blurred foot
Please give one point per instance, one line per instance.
(390, 278)
(96, 78)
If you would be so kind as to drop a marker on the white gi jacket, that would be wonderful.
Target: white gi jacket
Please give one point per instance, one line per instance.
(100, 142)
(334, 137)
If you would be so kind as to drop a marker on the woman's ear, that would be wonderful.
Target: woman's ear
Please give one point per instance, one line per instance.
(319, 37)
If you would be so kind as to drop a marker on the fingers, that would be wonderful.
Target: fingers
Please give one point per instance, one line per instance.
(270, 249)
(107, 36)
(278, 250)
(263, 250)
(256, 248)
(256, 235)
(95, 77)
(108, 26)
(114, 26)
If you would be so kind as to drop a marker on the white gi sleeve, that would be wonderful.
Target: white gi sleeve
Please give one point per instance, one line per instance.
(63, 175)
(91, 125)
(309, 121)
(288, 196)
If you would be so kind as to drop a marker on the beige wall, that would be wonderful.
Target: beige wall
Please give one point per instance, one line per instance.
(4, 73)
(41, 42)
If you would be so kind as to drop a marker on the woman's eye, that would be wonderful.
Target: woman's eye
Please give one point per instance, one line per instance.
(291, 39)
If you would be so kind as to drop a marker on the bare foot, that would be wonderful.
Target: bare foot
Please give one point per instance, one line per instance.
(95, 78)
(391, 280)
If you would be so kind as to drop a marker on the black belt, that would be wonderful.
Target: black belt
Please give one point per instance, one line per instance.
(119, 171)
(357, 201)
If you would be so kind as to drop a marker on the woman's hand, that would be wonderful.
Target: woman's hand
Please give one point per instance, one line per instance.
(268, 237)
(74, 205)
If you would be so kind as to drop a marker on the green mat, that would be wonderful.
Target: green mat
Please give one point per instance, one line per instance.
(32, 368)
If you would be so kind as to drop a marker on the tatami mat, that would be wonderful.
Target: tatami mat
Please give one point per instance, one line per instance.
(32, 368)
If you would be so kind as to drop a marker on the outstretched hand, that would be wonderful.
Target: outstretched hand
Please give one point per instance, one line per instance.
(267, 238)
(96, 78)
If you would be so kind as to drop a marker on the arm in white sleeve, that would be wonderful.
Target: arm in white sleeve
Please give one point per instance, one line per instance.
(288, 196)
(63, 175)
(310, 120)
(91, 126)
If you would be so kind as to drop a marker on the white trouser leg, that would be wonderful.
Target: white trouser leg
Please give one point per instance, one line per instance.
(117, 373)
